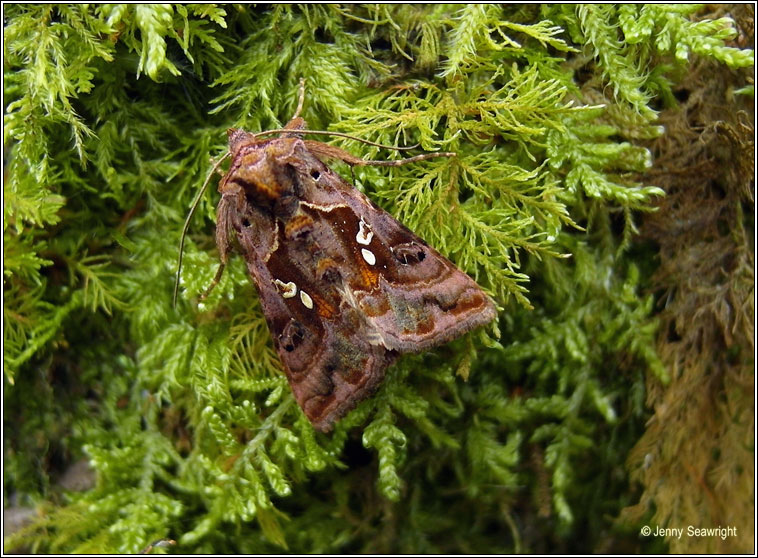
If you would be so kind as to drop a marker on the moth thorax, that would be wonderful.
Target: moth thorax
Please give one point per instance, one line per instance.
(262, 178)
(299, 226)
(285, 207)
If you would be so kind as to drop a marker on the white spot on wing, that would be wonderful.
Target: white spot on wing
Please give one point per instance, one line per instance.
(365, 233)
(288, 290)
(306, 300)
(369, 256)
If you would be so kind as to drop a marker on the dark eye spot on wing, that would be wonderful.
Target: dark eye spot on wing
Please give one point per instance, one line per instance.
(409, 253)
(292, 336)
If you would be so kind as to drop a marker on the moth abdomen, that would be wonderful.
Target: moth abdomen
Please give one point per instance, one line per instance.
(328, 270)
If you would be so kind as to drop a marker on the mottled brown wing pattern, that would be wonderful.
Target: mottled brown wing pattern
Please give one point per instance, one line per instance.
(344, 287)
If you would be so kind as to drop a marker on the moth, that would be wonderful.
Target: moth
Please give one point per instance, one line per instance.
(345, 288)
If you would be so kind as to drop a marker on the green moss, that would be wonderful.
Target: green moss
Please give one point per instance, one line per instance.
(509, 440)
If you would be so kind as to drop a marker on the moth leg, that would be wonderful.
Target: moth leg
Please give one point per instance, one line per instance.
(300, 100)
(296, 122)
(215, 281)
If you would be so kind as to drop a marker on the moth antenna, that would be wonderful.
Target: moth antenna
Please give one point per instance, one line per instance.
(399, 162)
(187, 221)
(330, 151)
(338, 134)
(301, 99)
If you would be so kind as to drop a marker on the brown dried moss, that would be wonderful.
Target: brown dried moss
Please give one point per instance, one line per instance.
(695, 460)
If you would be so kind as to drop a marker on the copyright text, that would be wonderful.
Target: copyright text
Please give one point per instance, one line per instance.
(690, 531)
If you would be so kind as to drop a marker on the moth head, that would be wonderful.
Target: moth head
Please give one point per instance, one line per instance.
(238, 138)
